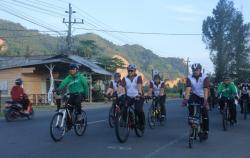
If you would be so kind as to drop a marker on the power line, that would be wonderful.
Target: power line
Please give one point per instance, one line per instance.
(38, 8)
(4, 29)
(142, 33)
(10, 11)
(19, 36)
(46, 4)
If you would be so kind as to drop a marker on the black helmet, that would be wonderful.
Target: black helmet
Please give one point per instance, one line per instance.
(131, 67)
(156, 75)
(117, 75)
(196, 66)
(73, 66)
(226, 77)
(19, 81)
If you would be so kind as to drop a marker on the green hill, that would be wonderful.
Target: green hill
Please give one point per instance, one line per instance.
(25, 42)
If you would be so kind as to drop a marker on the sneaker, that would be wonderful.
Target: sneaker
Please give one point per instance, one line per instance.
(205, 136)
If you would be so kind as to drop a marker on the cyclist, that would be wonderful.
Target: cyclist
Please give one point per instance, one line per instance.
(227, 92)
(77, 86)
(156, 88)
(244, 93)
(133, 87)
(18, 95)
(115, 88)
(115, 85)
(212, 96)
(197, 87)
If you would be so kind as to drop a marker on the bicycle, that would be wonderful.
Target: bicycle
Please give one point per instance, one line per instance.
(65, 119)
(244, 106)
(114, 109)
(225, 116)
(195, 123)
(127, 120)
(155, 114)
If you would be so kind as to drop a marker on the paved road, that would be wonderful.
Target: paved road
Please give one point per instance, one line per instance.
(29, 139)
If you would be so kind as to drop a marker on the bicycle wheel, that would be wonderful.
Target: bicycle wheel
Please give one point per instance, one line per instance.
(57, 127)
(111, 117)
(139, 129)
(122, 127)
(151, 118)
(80, 126)
(191, 138)
(245, 109)
(225, 120)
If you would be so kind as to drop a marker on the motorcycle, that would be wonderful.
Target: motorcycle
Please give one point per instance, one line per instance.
(14, 110)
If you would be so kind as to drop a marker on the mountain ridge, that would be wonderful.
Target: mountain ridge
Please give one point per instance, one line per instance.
(31, 42)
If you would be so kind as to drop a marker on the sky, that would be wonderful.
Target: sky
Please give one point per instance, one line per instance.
(160, 16)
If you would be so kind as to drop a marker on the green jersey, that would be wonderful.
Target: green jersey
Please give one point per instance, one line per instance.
(75, 84)
(227, 90)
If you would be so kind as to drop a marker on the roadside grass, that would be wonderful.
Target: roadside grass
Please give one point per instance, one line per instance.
(173, 95)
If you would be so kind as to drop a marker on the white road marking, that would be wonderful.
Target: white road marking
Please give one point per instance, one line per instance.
(119, 148)
(95, 122)
(150, 155)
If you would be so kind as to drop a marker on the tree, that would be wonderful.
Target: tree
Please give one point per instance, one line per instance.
(87, 48)
(225, 35)
(110, 64)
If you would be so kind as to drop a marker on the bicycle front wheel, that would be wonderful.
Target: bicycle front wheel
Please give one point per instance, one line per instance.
(57, 127)
(122, 128)
(225, 120)
(245, 109)
(139, 127)
(111, 117)
(151, 118)
(80, 126)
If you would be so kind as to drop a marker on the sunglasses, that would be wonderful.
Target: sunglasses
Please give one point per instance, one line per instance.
(130, 70)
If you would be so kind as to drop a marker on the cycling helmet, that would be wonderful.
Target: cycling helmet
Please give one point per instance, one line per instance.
(117, 75)
(19, 81)
(226, 77)
(245, 80)
(196, 66)
(156, 75)
(73, 66)
(131, 67)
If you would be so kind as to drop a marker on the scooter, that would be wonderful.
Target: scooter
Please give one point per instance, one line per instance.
(14, 110)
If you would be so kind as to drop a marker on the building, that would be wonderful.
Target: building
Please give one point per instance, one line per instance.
(38, 73)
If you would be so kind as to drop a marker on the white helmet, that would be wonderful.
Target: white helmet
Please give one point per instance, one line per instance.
(196, 66)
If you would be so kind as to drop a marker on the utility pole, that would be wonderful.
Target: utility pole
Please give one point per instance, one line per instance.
(70, 23)
(188, 66)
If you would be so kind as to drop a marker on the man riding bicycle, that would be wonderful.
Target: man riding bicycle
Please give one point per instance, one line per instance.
(244, 93)
(197, 87)
(227, 92)
(77, 86)
(156, 89)
(134, 91)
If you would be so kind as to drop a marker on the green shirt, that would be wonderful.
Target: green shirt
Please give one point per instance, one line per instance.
(75, 84)
(227, 90)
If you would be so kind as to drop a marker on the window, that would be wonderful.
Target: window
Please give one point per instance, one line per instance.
(4, 86)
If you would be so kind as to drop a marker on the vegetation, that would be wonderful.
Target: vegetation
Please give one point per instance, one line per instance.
(227, 37)
(23, 42)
